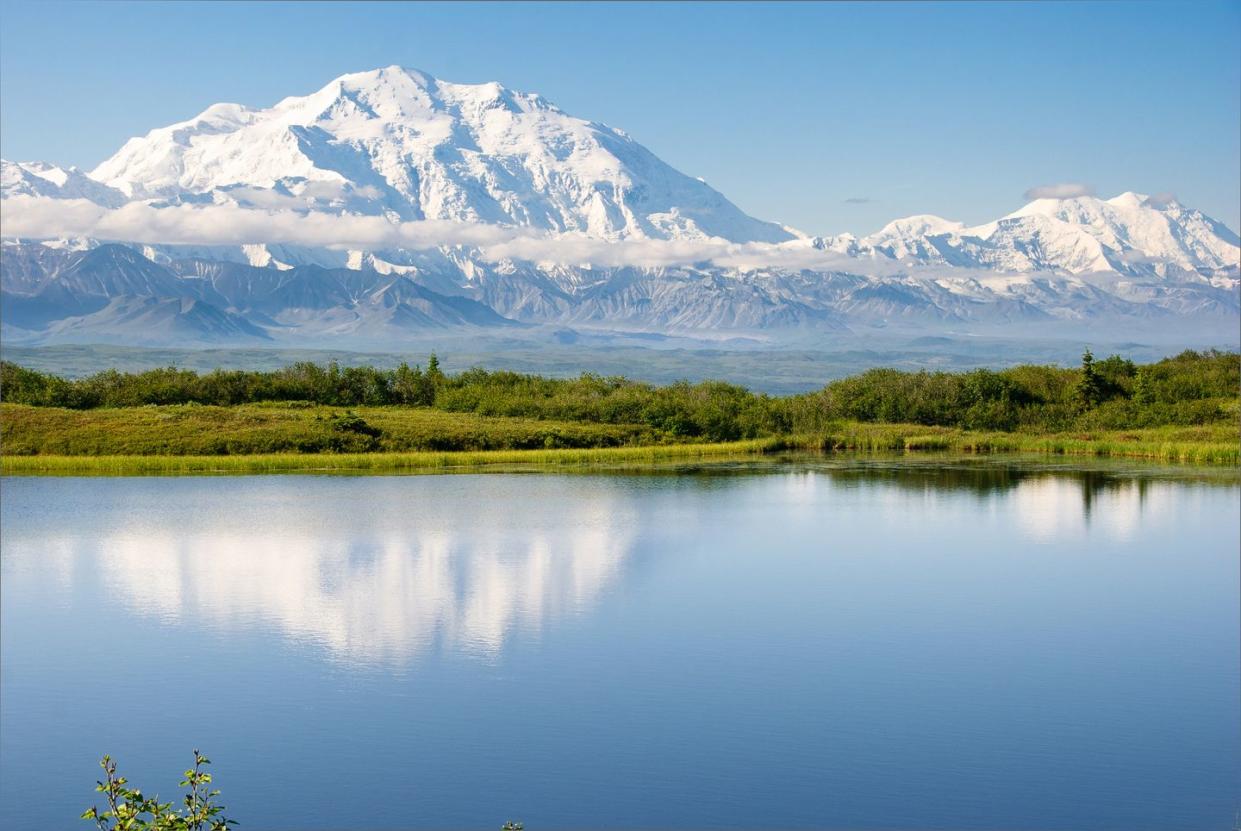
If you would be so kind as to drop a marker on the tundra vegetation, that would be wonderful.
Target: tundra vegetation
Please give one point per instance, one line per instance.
(1182, 408)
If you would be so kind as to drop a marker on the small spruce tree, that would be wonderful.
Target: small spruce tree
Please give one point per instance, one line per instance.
(1142, 388)
(432, 381)
(1089, 386)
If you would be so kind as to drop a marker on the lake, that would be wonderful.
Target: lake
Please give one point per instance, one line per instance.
(968, 644)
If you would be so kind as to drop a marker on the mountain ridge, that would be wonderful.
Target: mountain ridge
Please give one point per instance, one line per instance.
(396, 145)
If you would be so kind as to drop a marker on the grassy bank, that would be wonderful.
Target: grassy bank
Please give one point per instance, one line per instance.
(248, 429)
(1199, 445)
(374, 462)
(305, 417)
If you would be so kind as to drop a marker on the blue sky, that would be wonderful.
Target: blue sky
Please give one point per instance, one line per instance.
(834, 117)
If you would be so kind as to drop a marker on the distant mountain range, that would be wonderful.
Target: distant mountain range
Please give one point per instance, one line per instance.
(602, 235)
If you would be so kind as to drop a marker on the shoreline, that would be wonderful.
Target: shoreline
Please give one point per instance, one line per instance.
(1154, 445)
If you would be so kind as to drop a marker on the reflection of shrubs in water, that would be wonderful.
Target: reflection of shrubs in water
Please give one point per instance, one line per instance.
(983, 480)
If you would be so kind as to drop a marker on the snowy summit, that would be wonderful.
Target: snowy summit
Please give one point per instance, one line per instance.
(400, 143)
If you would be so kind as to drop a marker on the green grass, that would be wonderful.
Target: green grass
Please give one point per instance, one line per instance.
(197, 430)
(1217, 444)
(286, 438)
(373, 462)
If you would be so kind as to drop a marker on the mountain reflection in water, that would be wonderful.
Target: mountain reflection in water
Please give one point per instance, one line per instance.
(378, 570)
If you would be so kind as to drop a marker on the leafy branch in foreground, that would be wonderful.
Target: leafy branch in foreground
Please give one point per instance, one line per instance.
(128, 809)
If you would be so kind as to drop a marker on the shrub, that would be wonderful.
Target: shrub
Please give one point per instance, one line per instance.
(128, 809)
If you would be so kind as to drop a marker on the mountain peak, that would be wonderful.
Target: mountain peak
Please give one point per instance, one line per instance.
(1129, 199)
(424, 79)
(385, 80)
(400, 143)
(399, 96)
(1053, 205)
(921, 224)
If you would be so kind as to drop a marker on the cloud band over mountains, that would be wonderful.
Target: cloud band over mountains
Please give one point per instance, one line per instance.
(32, 217)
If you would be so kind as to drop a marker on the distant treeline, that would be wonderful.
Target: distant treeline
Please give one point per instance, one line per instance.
(1191, 388)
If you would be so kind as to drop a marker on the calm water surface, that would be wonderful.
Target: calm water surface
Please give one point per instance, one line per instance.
(973, 645)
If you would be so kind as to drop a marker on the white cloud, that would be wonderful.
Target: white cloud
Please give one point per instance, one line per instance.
(45, 218)
(1064, 190)
(1161, 200)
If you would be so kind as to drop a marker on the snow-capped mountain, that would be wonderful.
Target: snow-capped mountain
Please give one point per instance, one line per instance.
(1131, 234)
(396, 146)
(398, 143)
(48, 180)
